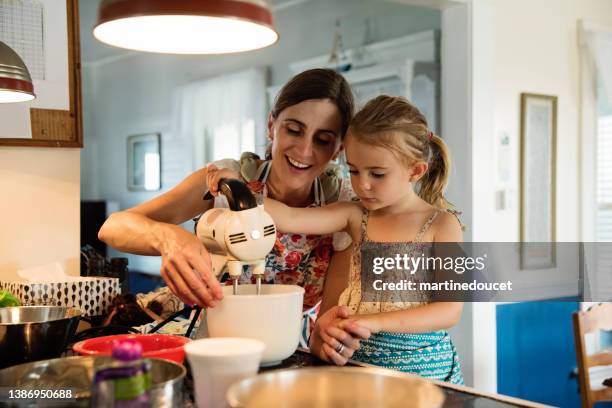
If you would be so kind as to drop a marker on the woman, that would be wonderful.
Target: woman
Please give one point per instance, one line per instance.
(306, 125)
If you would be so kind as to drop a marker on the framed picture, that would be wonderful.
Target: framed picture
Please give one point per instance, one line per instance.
(144, 162)
(45, 34)
(538, 181)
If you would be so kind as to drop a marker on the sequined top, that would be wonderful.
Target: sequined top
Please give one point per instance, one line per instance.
(385, 301)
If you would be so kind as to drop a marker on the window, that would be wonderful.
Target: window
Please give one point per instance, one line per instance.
(603, 216)
(229, 141)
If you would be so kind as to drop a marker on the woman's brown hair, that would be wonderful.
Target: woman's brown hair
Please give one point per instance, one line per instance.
(394, 123)
(317, 83)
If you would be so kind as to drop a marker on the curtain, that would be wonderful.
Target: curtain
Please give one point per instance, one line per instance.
(223, 116)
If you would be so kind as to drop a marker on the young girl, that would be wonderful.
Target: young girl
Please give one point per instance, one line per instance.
(390, 153)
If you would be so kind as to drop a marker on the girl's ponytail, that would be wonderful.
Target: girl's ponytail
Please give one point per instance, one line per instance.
(435, 180)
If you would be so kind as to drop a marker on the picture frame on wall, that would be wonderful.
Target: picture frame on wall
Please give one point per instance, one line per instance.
(45, 34)
(144, 162)
(538, 181)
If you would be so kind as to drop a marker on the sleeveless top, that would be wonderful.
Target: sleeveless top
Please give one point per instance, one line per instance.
(296, 259)
(385, 302)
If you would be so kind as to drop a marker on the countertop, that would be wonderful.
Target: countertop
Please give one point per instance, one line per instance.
(456, 396)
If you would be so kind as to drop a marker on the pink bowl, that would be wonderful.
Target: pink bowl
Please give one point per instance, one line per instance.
(163, 346)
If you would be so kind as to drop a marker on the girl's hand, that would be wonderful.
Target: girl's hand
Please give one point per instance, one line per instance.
(187, 269)
(214, 174)
(333, 343)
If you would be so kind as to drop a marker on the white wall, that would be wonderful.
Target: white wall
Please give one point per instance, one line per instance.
(535, 50)
(39, 208)
(127, 94)
(522, 46)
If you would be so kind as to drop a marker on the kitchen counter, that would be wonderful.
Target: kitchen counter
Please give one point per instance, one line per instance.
(456, 396)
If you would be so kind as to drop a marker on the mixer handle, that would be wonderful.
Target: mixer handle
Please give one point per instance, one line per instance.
(238, 195)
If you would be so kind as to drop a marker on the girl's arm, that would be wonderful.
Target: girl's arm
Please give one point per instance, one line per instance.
(429, 317)
(334, 217)
(422, 319)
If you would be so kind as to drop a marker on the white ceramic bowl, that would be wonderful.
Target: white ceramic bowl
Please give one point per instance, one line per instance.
(274, 317)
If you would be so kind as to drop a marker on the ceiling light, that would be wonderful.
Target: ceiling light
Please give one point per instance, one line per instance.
(186, 26)
(15, 81)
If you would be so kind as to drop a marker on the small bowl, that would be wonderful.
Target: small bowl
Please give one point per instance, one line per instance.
(164, 346)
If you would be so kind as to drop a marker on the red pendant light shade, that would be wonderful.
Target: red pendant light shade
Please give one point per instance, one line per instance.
(186, 26)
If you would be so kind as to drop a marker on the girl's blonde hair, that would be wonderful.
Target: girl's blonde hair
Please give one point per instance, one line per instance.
(394, 123)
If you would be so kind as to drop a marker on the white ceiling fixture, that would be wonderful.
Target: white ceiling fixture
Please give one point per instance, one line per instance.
(15, 80)
(186, 26)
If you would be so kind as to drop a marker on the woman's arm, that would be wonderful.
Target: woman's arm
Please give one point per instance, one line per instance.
(339, 216)
(149, 229)
(142, 229)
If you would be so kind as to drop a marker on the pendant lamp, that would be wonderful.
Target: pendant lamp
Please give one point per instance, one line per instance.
(186, 26)
(15, 81)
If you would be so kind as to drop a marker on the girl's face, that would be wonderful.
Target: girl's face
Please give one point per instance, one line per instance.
(305, 137)
(378, 178)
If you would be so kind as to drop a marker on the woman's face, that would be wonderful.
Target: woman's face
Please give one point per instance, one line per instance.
(305, 137)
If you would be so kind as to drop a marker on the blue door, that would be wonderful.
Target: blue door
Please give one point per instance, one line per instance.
(535, 352)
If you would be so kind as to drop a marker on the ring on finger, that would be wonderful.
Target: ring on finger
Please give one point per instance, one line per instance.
(340, 348)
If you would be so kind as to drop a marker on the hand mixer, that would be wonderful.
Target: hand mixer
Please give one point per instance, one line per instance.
(241, 235)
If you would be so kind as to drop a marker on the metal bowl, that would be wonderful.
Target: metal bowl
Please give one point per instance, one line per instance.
(76, 373)
(30, 333)
(323, 387)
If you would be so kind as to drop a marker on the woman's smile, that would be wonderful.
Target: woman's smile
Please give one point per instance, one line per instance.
(296, 164)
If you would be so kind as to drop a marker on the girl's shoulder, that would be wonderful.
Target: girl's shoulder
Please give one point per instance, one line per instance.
(447, 226)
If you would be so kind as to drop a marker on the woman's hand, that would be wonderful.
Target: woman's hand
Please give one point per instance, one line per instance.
(186, 268)
(334, 339)
(214, 174)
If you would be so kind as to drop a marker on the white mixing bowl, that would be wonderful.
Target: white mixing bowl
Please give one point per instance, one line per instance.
(274, 317)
